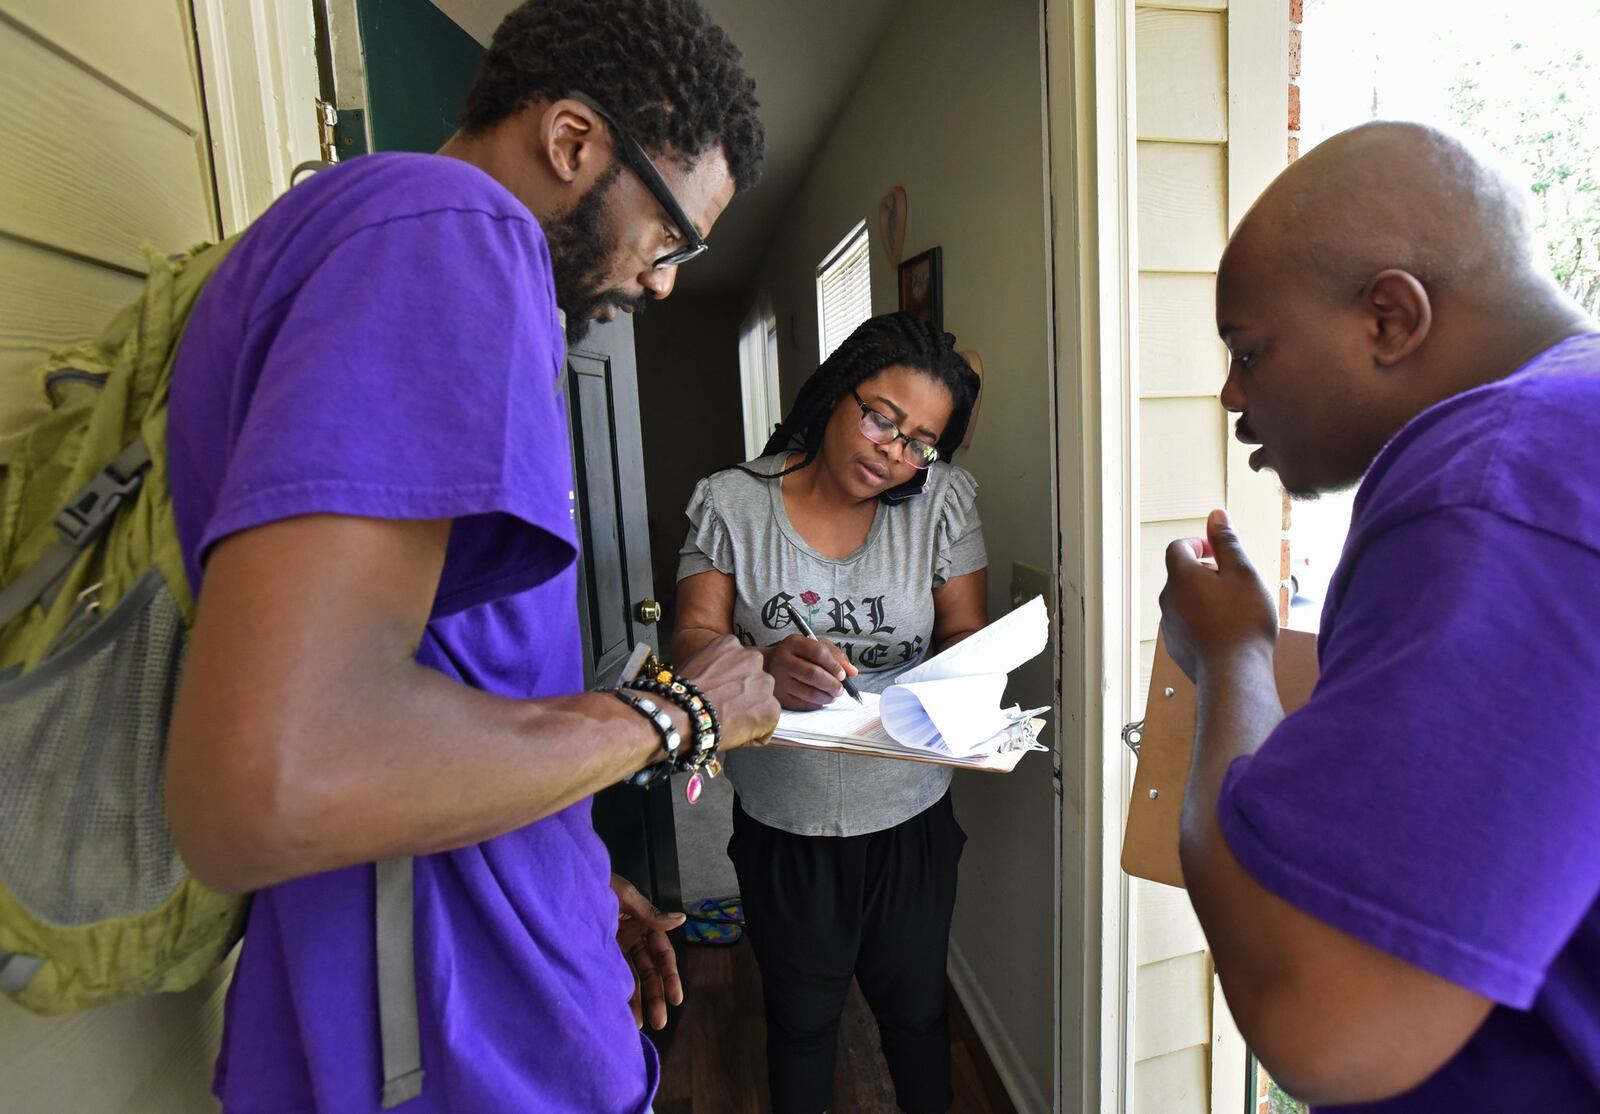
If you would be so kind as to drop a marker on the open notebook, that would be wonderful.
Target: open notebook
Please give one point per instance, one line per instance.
(946, 710)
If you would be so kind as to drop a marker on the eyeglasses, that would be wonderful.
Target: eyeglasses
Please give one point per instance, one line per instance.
(878, 429)
(693, 243)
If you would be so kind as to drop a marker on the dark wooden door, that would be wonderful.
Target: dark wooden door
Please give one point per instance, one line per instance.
(418, 66)
(615, 593)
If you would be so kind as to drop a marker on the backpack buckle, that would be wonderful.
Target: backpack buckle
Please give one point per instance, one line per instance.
(88, 512)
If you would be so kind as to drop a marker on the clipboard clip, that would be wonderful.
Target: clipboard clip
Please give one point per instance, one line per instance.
(1133, 736)
(1022, 734)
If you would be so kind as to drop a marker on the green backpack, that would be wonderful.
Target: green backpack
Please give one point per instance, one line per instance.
(95, 609)
(95, 613)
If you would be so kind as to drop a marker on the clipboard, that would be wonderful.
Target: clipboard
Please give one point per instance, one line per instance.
(991, 762)
(1164, 742)
(643, 660)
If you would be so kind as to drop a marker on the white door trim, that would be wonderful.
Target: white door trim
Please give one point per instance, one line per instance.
(259, 65)
(1091, 149)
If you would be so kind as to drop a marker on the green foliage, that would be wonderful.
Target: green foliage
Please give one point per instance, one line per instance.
(1280, 1102)
(1539, 111)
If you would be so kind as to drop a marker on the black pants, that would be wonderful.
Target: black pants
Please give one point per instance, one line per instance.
(821, 909)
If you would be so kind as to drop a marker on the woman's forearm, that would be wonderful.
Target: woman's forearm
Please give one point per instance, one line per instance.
(687, 641)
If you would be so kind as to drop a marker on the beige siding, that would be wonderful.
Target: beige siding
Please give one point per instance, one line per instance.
(1183, 194)
(1205, 149)
(89, 170)
(1167, 928)
(50, 299)
(1154, 535)
(102, 146)
(1174, 997)
(1183, 454)
(1174, 1084)
(1179, 353)
(140, 46)
(1181, 61)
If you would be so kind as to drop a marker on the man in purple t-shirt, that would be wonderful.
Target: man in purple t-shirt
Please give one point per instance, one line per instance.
(371, 472)
(1400, 882)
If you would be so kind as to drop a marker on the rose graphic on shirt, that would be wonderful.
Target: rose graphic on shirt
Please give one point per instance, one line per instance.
(811, 600)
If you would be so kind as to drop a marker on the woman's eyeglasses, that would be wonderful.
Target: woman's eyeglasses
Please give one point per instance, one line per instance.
(639, 162)
(878, 429)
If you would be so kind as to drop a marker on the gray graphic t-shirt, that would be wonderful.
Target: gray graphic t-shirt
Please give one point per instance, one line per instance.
(875, 604)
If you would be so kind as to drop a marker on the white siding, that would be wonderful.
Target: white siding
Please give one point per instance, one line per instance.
(1211, 133)
(1173, 1084)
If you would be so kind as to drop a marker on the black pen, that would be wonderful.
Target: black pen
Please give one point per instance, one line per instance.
(805, 629)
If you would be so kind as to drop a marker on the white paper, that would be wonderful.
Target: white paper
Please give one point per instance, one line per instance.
(1000, 647)
(949, 704)
(957, 715)
(841, 719)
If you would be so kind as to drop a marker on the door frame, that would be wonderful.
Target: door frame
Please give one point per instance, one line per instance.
(1090, 146)
(258, 65)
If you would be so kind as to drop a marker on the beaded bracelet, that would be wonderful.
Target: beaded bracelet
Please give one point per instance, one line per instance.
(706, 730)
(662, 722)
(703, 722)
(716, 724)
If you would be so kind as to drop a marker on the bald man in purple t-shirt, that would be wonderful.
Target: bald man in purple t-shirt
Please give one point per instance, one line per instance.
(1400, 880)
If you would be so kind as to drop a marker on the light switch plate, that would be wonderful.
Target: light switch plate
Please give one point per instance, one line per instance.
(1028, 581)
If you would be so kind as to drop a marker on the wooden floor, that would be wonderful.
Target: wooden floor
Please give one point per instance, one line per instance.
(717, 1062)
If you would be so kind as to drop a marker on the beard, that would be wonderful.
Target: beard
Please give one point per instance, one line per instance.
(581, 252)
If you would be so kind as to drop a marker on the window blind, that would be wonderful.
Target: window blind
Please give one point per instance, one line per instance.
(844, 290)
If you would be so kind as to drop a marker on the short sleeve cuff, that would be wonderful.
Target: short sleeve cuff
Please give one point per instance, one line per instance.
(958, 536)
(1493, 976)
(530, 533)
(708, 546)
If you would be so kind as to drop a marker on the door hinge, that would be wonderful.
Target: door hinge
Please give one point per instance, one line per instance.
(327, 118)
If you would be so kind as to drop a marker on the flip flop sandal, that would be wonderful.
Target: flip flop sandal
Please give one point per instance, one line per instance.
(716, 920)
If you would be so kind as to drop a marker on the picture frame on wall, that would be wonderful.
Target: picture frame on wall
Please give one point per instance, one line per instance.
(922, 286)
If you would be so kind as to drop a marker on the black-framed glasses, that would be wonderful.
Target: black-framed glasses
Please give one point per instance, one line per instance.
(693, 243)
(878, 429)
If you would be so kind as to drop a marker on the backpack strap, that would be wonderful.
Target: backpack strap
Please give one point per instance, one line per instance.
(79, 523)
(397, 984)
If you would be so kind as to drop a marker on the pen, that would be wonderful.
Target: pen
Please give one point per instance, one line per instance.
(805, 629)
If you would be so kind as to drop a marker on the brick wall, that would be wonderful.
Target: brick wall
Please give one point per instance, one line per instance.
(1296, 11)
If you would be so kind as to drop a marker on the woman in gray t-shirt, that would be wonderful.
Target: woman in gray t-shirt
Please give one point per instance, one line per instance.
(847, 864)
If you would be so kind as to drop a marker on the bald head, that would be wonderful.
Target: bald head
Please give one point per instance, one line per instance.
(1386, 271)
(1393, 195)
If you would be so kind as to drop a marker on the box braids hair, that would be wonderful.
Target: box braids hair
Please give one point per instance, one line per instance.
(881, 342)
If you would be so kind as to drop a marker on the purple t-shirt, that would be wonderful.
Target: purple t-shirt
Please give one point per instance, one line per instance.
(384, 342)
(1439, 796)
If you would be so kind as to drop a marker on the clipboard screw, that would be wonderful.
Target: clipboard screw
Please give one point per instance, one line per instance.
(1169, 692)
(1154, 793)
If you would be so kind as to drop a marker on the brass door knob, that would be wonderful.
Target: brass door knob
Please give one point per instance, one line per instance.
(649, 612)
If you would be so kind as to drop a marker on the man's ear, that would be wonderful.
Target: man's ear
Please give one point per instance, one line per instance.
(572, 140)
(1401, 312)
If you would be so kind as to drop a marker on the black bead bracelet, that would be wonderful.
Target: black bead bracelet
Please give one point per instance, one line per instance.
(704, 726)
(662, 722)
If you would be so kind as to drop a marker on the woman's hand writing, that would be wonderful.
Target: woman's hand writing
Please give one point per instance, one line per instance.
(807, 673)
